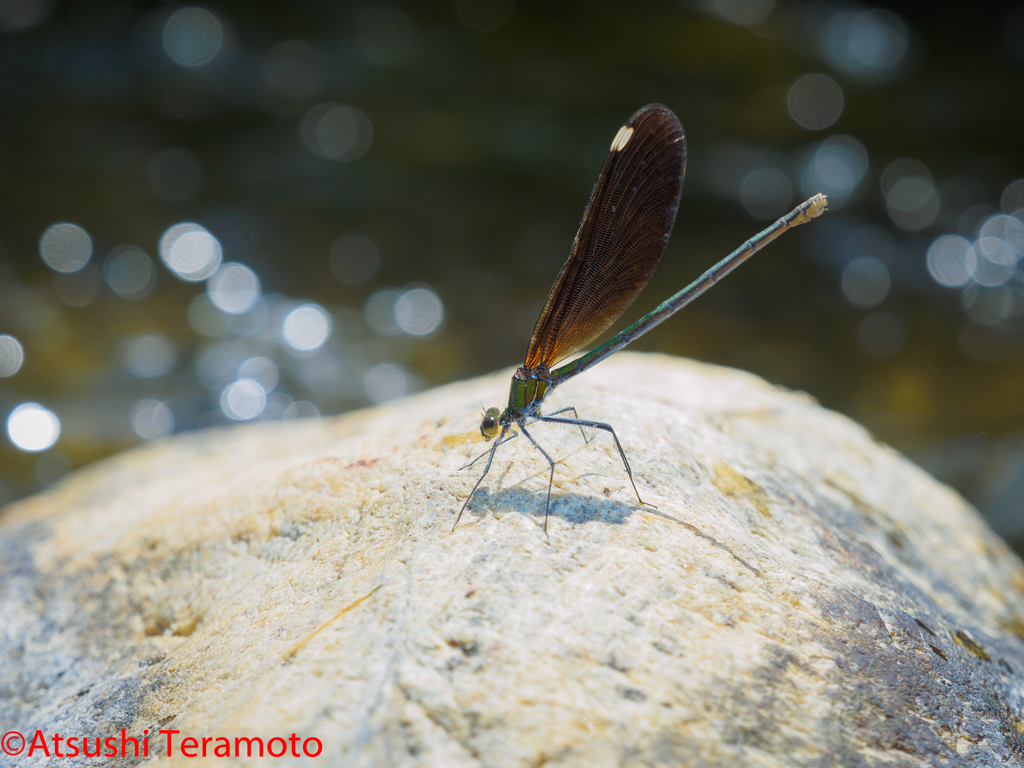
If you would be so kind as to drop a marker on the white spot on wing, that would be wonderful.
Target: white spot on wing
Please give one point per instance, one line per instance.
(622, 138)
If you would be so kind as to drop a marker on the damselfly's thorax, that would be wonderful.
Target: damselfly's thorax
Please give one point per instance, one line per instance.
(528, 389)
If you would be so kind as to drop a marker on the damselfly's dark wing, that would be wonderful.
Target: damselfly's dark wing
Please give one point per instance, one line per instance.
(623, 233)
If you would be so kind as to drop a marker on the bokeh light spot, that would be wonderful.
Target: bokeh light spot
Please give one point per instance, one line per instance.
(869, 43)
(32, 427)
(989, 305)
(337, 132)
(1007, 228)
(129, 272)
(151, 419)
(997, 261)
(193, 37)
(379, 312)
(837, 167)
(865, 282)
(815, 101)
(418, 312)
(190, 251)
(65, 247)
(234, 288)
(149, 355)
(306, 328)
(243, 400)
(11, 355)
(910, 196)
(78, 289)
(301, 409)
(951, 261)
(766, 193)
(263, 371)
(385, 382)
(295, 69)
(1012, 198)
(744, 12)
(354, 259)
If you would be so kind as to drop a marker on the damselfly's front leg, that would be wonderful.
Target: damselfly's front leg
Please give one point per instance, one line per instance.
(490, 457)
(489, 451)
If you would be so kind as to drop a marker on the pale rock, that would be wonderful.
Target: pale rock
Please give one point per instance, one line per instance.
(798, 595)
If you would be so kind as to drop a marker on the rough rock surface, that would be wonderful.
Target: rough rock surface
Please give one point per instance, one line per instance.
(802, 595)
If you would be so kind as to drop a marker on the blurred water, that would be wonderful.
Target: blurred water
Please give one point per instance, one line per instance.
(228, 212)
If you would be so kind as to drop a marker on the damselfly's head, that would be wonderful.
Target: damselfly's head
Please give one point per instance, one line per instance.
(491, 423)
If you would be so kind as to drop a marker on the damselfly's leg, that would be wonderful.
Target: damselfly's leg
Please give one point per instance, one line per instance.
(490, 458)
(551, 479)
(586, 440)
(607, 428)
(488, 451)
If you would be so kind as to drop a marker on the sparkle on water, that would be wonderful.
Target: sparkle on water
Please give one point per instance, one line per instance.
(379, 312)
(78, 289)
(263, 371)
(766, 193)
(190, 251)
(1012, 198)
(295, 69)
(385, 382)
(12, 355)
(151, 419)
(337, 132)
(744, 12)
(815, 101)
(129, 272)
(338, 356)
(149, 355)
(418, 312)
(836, 167)
(234, 288)
(31, 427)
(354, 259)
(306, 328)
(951, 261)
(871, 44)
(243, 400)
(865, 282)
(193, 37)
(65, 247)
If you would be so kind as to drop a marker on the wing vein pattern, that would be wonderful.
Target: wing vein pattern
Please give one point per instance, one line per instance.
(625, 228)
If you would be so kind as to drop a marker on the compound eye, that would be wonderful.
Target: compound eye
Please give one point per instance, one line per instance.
(489, 426)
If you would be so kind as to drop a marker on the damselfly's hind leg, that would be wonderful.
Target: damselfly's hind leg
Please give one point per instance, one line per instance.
(586, 440)
(551, 479)
(607, 428)
(490, 457)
